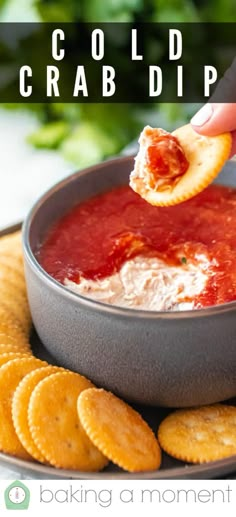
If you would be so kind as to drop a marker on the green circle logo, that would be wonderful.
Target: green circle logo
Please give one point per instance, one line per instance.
(17, 496)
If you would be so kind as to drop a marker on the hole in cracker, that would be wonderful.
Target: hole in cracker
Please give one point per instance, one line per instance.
(210, 417)
(219, 428)
(200, 436)
(227, 441)
(190, 424)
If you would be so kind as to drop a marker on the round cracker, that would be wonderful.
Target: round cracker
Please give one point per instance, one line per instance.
(16, 278)
(9, 324)
(55, 426)
(20, 404)
(9, 269)
(6, 286)
(11, 237)
(6, 348)
(199, 435)
(7, 339)
(9, 356)
(11, 374)
(17, 302)
(18, 313)
(11, 243)
(13, 289)
(14, 261)
(118, 431)
(12, 327)
(206, 156)
(14, 331)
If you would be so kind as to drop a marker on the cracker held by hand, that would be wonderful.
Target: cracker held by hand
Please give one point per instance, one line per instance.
(171, 168)
(118, 431)
(55, 426)
(200, 435)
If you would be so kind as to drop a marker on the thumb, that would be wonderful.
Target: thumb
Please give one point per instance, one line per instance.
(213, 119)
(217, 117)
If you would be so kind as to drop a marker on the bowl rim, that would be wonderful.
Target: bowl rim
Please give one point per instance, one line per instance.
(89, 302)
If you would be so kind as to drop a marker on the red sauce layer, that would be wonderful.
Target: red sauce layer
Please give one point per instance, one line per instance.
(96, 237)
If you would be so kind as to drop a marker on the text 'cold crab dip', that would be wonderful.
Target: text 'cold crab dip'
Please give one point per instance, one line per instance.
(118, 249)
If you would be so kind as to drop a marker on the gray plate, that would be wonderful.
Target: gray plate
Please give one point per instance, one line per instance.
(170, 469)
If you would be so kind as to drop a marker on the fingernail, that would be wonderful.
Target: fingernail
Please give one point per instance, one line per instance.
(202, 116)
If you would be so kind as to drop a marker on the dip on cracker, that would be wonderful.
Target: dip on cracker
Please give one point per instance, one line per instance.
(173, 167)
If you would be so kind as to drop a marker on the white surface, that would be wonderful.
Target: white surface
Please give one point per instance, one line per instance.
(25, 172)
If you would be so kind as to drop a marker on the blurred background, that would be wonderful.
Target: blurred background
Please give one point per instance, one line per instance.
(42, 143)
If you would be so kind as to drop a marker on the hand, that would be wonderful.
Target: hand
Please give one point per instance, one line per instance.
(213, 119)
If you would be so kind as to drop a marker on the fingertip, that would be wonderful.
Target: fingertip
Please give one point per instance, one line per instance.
(202, 117)
(221, 119)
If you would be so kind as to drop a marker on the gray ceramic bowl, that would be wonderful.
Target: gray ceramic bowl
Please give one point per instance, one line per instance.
(173, 359)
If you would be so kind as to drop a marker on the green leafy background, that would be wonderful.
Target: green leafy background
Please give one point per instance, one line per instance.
(87, 133)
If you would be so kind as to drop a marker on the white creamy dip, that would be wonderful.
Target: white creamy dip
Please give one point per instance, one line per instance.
(148, 283)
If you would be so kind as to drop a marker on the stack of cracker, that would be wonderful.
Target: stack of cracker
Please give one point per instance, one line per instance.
(15, 319)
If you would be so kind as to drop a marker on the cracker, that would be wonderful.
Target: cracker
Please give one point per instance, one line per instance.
(11, 244)
(200, 435)
(8, 356)
(13, 261)
(12, 289)
(206, 157)
(118, 431)
(18, 313)
(16, 278)
(12, 237)
(16, 302)
(20, 404)
(11, 374)
(9, 268)
(7, 287)
(7, 339)
(9, 324)
(13, 330)
(6, 348)
(55, 426)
